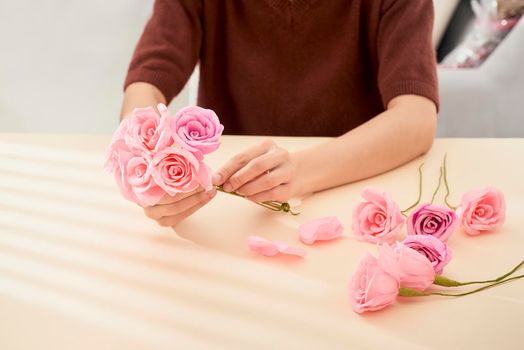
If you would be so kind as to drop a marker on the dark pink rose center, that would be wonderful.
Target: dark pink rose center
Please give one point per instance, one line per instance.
(379, 218)
(483, 211)
(140, 171)
(176, 170)
(431, 224)
(147, 132)
(194, 130)
(138, 175)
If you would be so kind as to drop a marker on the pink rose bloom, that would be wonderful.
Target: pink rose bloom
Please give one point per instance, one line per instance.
(371, 288)
(413, 269)
(322, 229)
(378, 219)
(482, 210)
(197, 129)
(117, 156)
(178, 170)
(146, 131)
(432, 219)
(266, 247)
(436, 251)
(138, 182)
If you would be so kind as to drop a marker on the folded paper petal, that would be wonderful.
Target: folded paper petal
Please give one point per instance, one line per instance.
(266, 247)
(322, 229)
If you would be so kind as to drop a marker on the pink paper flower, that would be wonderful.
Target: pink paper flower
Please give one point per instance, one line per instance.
(413, 269)
(378, 219)
(138, 182)
(322, 229)
(117, 156)
(178, 170)
(371, 288)
(432, 219)
(266, 247)
(482, 210)
(436, 251)
(197, 129)
(146, 132)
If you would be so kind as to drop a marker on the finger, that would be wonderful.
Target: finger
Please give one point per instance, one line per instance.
(176, 219)
(167, 199)
(255, 168)
(159, 211)
(266, 181)
(240, 160)
(279, 193)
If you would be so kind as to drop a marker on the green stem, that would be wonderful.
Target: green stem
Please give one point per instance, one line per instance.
(478, 289)
(404, 212)
(273, 205)
(438, 186)
(447, 282)
(447, 185)
(408, 292)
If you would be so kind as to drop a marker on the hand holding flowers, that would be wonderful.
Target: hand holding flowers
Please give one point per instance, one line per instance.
(158, 162)
(263, 172)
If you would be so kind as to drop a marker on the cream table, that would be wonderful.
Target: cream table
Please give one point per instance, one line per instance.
(81, 268)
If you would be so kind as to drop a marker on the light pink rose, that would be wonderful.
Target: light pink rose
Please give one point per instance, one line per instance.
(432, 219)
(146, 132)
(436, 251)
(197, 129)
(482, 210)
(178, 170)
(139, 183)
(116, 158)
(413, 269)
(266, 247)
(371, 288)
(378, 219)
(322, 229)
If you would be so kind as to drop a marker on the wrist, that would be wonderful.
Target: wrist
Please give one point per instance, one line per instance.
(300, 183)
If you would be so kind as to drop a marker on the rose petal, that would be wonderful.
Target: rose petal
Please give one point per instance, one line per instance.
(322, 229)
(266, 247)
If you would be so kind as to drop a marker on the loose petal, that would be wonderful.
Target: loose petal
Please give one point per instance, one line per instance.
(266, 247)
(322, 229)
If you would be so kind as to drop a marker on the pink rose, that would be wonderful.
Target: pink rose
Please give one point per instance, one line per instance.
(197, 129)
(432, 219)
(436, 251)
(138, 182)
(371, 288)
(117, 156)
(178, 170)
(146, 131)
(322, 229)
(378, 219)
(482, 210)
(413, 269)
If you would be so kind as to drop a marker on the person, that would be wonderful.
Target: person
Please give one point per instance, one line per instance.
(362, 71)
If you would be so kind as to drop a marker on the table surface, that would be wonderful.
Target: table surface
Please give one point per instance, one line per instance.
(81, 268)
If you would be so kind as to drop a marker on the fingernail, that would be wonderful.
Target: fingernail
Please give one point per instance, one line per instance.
(212, 192)
(228, 187)
(217, 178)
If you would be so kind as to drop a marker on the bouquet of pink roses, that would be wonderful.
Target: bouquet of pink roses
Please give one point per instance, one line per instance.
(151, 154)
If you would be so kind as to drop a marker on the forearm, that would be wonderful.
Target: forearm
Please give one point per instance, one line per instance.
(394, 137)
(140, 94)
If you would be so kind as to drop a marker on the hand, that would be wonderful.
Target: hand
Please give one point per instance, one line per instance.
(261, 173)
(170, 211)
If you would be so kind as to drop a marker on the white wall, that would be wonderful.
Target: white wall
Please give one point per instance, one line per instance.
(63, 62)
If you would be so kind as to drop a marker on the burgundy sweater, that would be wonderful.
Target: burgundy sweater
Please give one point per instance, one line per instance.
(290, 67)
